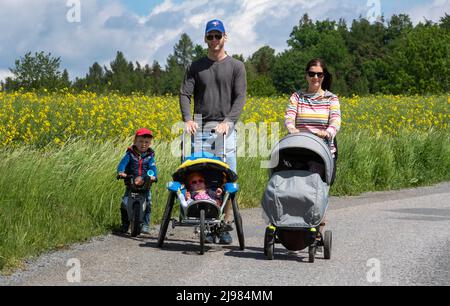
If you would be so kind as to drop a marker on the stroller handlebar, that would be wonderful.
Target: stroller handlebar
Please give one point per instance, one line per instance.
(183, 137)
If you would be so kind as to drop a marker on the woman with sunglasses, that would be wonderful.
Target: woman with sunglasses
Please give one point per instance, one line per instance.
(316, 111)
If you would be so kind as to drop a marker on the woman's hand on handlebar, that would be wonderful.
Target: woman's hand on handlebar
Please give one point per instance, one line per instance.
(322, 134)
(293, 130)
(122, 174)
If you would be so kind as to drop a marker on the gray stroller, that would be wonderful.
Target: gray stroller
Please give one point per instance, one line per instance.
(296, 196)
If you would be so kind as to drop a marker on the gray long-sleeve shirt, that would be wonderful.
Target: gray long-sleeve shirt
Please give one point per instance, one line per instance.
(219, 89)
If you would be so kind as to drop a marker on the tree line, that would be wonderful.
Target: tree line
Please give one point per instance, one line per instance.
(390, 57)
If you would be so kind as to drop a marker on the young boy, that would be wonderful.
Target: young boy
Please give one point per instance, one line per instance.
(138, 160)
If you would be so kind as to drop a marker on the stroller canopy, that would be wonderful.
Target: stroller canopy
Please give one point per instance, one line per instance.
(295, 150)
(211, 167)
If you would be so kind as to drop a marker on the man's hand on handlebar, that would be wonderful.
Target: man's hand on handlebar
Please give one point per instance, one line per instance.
(191, 127)
(222, 128)
(122, 174)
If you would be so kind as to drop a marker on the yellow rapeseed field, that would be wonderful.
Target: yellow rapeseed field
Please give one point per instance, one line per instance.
(29, 118)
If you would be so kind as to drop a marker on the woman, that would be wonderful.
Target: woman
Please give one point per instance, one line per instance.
(316, 110)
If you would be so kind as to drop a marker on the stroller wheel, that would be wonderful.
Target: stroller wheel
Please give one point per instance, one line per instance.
(327, 243)
(269, 243)
(312, 253)
(202, 232)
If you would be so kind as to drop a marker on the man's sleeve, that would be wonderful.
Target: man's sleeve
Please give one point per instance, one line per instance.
(239, 94)
(186, 92)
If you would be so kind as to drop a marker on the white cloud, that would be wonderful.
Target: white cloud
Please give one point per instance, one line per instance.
(4, 74)
(430, 11)
(107, 26)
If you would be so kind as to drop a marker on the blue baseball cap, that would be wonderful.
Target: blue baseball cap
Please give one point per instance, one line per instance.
(214, 25)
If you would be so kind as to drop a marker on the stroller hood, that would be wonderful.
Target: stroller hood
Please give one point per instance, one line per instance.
(301, 147)
(295, 199)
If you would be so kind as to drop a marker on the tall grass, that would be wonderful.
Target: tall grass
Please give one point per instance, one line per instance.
(55, 196)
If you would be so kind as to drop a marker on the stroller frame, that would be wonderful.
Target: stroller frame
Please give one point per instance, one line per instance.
(205, 215)
(308, 237)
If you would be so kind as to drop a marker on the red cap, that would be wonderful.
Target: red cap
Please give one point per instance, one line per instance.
(144, 132)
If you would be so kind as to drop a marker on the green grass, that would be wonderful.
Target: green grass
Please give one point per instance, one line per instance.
(56, 196)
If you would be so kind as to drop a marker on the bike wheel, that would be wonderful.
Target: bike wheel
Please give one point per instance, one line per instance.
(166, 219)
(135, 221)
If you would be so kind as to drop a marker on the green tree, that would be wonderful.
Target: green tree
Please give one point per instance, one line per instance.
(304, 35)
(95, 79)
(120, 76)
(263, 59)
(397, 26)
(199, 52)
(183, 51)
(156, 78)
(65, 81)
(177, 63)
(419, 62)
(288, 70)
(38, 71)
(173, 76)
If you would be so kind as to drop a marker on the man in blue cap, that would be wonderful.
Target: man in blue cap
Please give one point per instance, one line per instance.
(218, 83)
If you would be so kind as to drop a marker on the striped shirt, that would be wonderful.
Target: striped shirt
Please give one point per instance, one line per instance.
(313, 112)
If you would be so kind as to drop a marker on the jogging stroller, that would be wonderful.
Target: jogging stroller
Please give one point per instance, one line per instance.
(296, 199)
(205, 215)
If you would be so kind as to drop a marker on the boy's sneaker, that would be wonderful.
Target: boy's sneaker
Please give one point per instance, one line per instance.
(225, 238)
(124, 228)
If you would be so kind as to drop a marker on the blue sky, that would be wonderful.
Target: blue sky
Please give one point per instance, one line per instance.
(146, 30)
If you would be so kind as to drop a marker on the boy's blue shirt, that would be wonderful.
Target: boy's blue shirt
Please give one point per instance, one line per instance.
(151, 163)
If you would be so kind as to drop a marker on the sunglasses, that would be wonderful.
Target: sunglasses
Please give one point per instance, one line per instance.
(311, 74)
(216, 36)
(199, 181)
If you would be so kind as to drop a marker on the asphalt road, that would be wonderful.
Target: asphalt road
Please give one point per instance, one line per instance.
(382, 238)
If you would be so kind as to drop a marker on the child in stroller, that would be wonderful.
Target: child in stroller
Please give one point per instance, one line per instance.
(198, 191)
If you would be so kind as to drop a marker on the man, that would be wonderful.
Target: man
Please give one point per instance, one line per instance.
(218, 83)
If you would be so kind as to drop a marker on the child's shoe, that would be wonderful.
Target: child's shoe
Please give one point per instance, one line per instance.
(145, 229)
